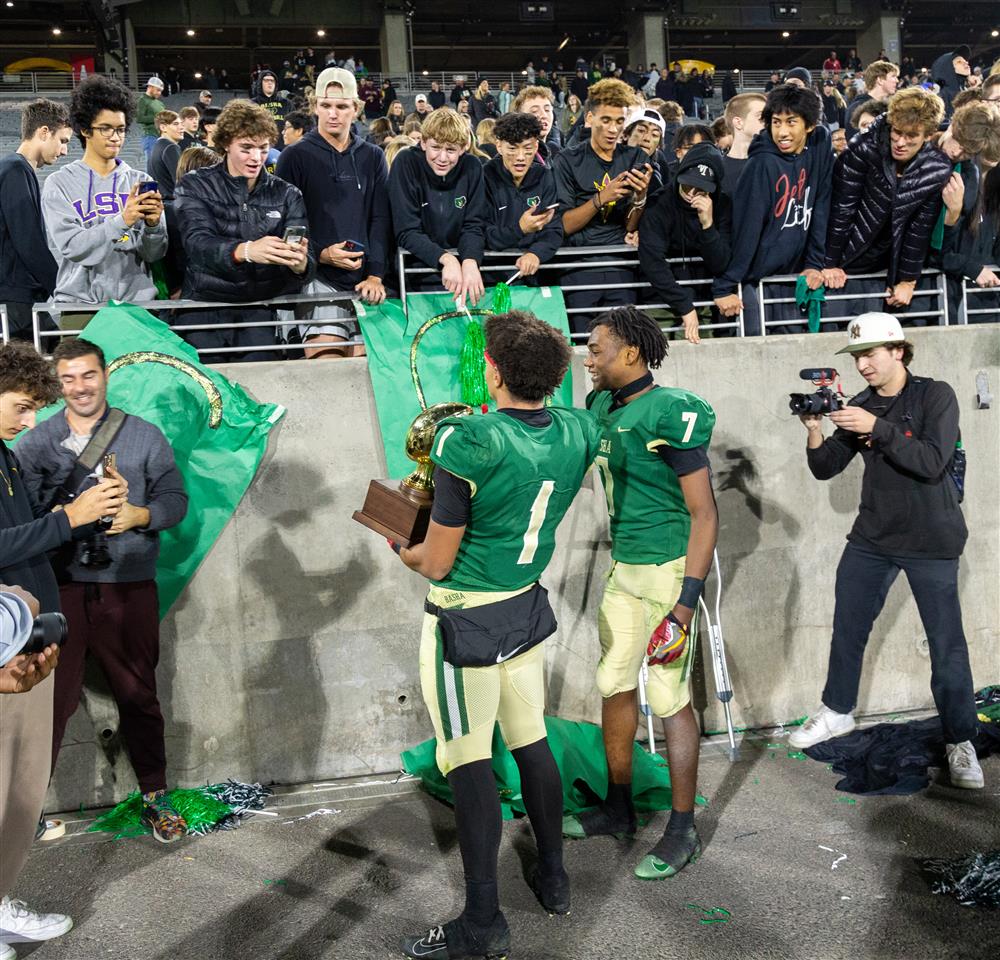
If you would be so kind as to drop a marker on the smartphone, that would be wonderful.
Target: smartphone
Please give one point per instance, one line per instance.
(294, 234)
(149, 186)
(541, 211)
(109, 462)
(354, 246)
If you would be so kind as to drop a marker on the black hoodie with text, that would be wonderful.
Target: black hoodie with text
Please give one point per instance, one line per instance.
(431, 214)
(780, 211)
(507, 203)
(346, 199)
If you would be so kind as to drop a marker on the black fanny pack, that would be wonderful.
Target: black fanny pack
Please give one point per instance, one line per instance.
(495, 632)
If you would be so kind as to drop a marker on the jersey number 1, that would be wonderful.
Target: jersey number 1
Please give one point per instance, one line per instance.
(535, 521)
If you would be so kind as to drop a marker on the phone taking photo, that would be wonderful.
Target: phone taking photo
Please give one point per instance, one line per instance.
(294, 235)
(148, 186)
(541, 211)
(354, 246)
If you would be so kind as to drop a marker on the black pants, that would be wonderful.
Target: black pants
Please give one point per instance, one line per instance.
(599, 298)
(204, 340)
(863, 581)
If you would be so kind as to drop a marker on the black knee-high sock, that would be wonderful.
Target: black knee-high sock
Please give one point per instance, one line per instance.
(477, 816)
(541, 787)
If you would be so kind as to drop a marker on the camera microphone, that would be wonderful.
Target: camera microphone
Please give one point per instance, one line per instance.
(818, 373)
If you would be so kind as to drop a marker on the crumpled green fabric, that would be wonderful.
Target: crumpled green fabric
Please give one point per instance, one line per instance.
(579, 753)
(811, 301)
(937, 234)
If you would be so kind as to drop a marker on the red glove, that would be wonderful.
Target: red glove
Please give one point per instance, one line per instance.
(668, 641)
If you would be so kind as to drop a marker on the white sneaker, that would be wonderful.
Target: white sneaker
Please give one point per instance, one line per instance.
(824, 724)
(20, 924)
(7, 952)
(963, 765)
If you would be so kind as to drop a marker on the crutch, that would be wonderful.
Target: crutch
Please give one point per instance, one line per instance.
(717, 651)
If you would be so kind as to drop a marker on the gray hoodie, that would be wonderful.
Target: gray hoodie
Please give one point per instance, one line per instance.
(99, 257)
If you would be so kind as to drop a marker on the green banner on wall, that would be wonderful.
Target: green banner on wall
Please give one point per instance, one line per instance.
(414, 357)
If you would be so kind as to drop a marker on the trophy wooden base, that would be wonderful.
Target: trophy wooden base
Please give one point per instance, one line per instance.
(397, 512)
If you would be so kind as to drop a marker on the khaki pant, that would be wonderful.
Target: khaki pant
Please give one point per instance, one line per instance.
(25, 764)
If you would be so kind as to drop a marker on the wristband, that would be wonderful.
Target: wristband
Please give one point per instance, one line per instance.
(246, 252)
(690, 592)
(596, 200)
(640, 204)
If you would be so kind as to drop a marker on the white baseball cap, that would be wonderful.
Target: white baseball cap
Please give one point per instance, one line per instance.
(155, 82)
(872, 330)
(646, 115)
(343, 78)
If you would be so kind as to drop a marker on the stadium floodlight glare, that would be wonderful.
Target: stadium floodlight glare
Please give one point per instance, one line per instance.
(197, 76)
(785, 34)
(993, 33)
(321, 32)
(56, 31)
(563, 44)
(10, 3)
(425, 72)
(190, 33)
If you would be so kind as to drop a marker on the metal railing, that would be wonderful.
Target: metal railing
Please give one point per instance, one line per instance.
(576, 259)
(990, 314)
(939, 290)
(281, 304)
(52, 82)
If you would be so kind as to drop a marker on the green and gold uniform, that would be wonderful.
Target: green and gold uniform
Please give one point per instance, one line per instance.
(522, 478)
(645, 446)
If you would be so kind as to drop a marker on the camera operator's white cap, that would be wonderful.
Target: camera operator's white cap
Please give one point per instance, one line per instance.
(872, 330)
(343, 78)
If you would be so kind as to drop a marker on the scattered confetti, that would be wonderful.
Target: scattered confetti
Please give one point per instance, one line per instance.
(321, 812)
(849, 800)
(973, 880)
(796, 755)
(711, 914)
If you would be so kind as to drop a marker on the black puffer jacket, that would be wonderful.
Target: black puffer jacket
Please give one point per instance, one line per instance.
(867, 192)
(216, 213)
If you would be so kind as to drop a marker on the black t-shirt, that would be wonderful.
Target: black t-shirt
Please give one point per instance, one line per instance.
(453, 495)
(875, 256)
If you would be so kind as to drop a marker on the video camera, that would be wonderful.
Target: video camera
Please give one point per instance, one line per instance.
(824, 400)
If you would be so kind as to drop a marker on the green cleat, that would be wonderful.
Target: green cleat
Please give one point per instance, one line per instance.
(651, 867)
(598, 822)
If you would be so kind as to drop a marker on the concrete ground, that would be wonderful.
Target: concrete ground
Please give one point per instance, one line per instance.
(346, 868)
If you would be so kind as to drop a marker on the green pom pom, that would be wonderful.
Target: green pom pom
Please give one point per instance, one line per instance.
(472, 366)
(199, 807)
(501, 298)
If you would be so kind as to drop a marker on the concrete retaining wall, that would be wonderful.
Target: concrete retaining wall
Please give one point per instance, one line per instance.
(292, 656)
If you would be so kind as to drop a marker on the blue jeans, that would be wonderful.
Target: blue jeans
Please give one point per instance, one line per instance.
(147, 145)
(863, 581)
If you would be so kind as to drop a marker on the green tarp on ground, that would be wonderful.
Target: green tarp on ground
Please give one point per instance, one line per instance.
(389, 333)
(217, 431)
(579, 753)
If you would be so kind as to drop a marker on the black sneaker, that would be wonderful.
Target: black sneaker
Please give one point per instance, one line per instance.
(458, 939)
(552, 892)
(599, 822)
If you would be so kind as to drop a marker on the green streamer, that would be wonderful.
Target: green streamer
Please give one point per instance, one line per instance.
(198, 807)
(501, 298)
(472, 366)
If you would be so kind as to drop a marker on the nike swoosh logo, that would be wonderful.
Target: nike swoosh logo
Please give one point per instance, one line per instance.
(419, 951)
(501, 657)
(504, 207)
(624, 429)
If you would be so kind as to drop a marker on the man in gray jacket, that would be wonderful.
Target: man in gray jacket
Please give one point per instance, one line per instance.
(110, 603)
(102, 230)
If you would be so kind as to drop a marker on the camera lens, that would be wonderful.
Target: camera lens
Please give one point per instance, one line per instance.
(47, 628)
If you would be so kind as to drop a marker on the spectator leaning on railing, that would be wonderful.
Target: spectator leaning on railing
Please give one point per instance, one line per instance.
(235, 245)
(603, 190)
(887, 198)
(781, 207)
(438, 201)
(343, 182)
(522, 195)
(27, 269)
(102, 231)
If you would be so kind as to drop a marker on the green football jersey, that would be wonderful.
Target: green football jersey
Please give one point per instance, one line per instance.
(650, 522)
(523, 479)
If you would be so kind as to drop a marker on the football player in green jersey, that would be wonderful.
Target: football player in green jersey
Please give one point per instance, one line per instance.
(664, 523)
(503, 481)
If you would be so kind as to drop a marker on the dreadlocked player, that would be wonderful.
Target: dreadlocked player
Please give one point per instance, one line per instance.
(654, 462)
(502, 483)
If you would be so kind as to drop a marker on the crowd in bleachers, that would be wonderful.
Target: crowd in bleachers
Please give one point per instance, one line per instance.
(856, 181)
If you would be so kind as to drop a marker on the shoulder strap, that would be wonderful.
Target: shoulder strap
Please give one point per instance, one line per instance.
(92, 453)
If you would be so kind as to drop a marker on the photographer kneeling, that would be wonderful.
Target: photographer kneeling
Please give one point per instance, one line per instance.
(27, 534)
(906, 430)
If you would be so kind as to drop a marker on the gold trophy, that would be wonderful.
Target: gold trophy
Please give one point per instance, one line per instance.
(401, 510)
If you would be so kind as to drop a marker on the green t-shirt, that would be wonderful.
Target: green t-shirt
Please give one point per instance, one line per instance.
(650, 522)
(147, 108)
(523, 479)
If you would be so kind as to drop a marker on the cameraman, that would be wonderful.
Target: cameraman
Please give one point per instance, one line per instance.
(108, 590)
(906, 430)
(26, 535)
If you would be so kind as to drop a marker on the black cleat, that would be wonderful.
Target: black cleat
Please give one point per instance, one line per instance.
(552, 892)
(599, 822)
(458, 939)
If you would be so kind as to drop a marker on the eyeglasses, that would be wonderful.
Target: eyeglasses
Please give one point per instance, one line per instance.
(108, 132)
